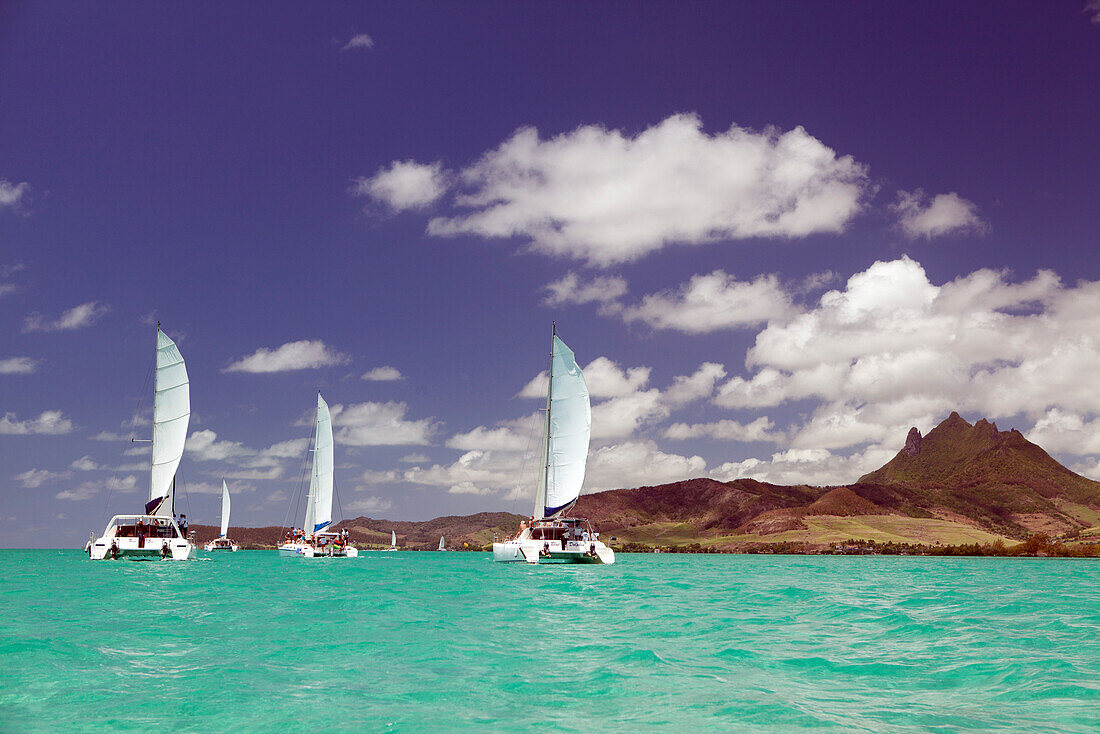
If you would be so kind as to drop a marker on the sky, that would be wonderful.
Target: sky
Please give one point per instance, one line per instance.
(775, 234)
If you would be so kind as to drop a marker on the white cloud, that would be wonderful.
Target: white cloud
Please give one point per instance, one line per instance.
(761, 429)
(570, 290)
(1092, 7)
(383, 374)
(369, 504)
(11, 194)
(84, 463)
(404, 185)
(944, 214)
(204, 446)
(415, 459)
(108, 436)
(475, 472)
(604, 378)
(18, 366)
(361, 40)
(621, 417)
(1062, 431)
(638, 463)
(380, 424)
(33, 478)
(77, 317)
(818, 467)
(6, 288)
(603, 196)
(87, 490)
(486, 439)
(712, 302)
(892, 350)
(687, 389)
(49, 422)
(300, 355)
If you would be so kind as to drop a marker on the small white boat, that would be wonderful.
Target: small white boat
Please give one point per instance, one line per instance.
(393, 542)
(554, 537)
(314, 541)
(223, 543)
(155, 533)
(441, 547)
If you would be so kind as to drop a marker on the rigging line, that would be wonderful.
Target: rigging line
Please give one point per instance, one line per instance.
(122, 454)
(526, 455)
(301, 478)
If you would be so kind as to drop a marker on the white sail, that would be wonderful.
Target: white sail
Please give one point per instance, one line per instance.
(171, 415)
(440, 542)
(225, 508)
(569, 428)
(393, 539)
(319, 503)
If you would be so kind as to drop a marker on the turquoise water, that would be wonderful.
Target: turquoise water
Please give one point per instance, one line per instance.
(409, 642)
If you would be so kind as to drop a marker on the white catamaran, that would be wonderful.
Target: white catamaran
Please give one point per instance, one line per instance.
(155, 534)
(393, 541)
(441, 547)
(553, 537)
(312, 541)
(223, 543)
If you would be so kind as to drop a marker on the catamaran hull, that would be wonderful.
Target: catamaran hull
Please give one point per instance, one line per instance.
(209, 548)
(151, 550)
(534, 551)
(301, 550)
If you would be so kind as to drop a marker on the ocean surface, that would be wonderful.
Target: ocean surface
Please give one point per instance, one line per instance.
(413, 642)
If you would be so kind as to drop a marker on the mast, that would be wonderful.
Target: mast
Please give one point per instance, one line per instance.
(540, 494)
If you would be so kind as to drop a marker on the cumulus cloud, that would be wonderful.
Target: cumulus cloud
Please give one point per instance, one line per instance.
(604, 196)
(204, 446)
(638, 463)
(370, 504)
(383, 374)
(1064, 431)
(87, 490)
(380, 424)
(892, 350)
(11, 194)
(415, 459)
(49, 422)
(492, 439)
(944, 214)
(18, 366)
(818, 467)
(712, 302)
(307, 354)
(761, 429)
(404, 185)
(33, 478)
(76, 317)
(84, 463)
(361, 40)
(605, 379)
(687, 389)
(572, 290)
(1092, 7)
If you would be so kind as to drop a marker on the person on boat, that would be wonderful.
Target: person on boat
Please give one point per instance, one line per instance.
(141, 533)
(183, 525)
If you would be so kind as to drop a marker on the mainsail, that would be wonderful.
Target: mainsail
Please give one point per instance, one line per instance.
(171, 415)
(319, 503)
(225, 508)
(568, 430)
(441, 542)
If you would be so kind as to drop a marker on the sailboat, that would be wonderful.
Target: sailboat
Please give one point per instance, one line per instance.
(222, 543)
(553, 536)
(155, 533)
(441, 546)
(312, 541)
(393, 542)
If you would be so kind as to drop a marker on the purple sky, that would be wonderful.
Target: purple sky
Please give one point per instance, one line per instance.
(777, 234)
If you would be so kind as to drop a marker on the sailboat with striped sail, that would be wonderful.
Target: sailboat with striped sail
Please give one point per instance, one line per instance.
(315, 539)
(554, 536)
(155, 533)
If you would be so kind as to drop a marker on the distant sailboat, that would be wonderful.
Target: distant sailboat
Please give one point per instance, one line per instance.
(223, 543)
(155, 534)
(312, 541)
(393, 541)
(441, 546)
(568, 428)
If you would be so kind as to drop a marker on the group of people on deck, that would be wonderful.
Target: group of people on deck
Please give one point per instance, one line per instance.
(297, 535)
